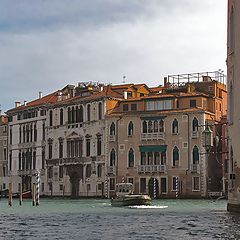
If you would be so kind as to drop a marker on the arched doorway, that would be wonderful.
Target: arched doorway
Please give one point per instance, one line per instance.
(74, 179)
(75, 173)
(152, 186)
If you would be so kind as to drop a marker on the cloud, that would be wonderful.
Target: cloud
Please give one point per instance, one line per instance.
(48, 44)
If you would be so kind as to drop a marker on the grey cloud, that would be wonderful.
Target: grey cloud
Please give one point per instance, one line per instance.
(145, 47)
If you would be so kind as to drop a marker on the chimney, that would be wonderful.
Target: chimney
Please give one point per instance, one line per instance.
(17, 104)
(24, 103)
(125, 94)
(40, 95)
(166, 83)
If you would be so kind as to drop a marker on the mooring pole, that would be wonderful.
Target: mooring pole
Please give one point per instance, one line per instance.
(20, 194)
(37, 188)
(10, 195)
(33, 194)
(154, 188)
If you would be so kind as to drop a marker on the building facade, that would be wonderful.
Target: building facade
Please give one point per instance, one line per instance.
(155, 142)
(84, 139)
(233, 71)
(3, 152)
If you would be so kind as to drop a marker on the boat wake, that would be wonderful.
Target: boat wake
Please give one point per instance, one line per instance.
(148, 207)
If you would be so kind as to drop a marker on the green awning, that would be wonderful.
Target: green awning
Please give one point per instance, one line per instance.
(152, 117)
(153, 148)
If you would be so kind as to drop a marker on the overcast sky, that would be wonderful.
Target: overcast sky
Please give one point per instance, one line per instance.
(47, 44)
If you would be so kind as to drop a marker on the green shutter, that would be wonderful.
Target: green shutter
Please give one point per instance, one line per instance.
(153, 148)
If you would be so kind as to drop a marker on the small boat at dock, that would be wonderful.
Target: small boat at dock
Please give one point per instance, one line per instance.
(125, 197)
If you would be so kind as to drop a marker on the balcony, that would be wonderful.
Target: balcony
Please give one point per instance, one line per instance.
(111, 170)
(195, 168)
(194, 135)
(152, 168)
(29, 172)
(112, 138)
(153, 136)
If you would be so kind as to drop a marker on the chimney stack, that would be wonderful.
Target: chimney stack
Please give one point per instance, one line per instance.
(40, 95)
(17, 104)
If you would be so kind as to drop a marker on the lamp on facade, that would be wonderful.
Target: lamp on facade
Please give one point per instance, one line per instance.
(207, 135)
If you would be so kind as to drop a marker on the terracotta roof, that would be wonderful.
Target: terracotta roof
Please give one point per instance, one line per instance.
(48, 99)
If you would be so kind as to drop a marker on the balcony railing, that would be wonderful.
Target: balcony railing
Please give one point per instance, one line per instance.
(153, 136)
(68, 161)
(195, 168)
(111, 170)
(112, 138)
(152, 168)
(28, 172)
(194, 135)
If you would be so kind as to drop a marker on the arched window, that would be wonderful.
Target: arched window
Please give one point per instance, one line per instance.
(100, 111)
(77, 114)
(99, 170)
(195, 155)
(99, 145)
(195, 125)
(112, 157)
(88, 112)
(144, 127)
(130, 128)
(163, 158)
(69, 115)
(50, 118)
(155, 126)
(143, 158)
(80, 113)
(112, 129)
(161, 126)
(150, 126)
(73, 115)
(150, 158)
(156, 158)
(131, 158)
(61, 116)
(175, 157)
(88, 170)
(175, 126)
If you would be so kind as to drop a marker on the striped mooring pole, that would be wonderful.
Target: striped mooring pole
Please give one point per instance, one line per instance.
(177, 187)
(106, 188)
(154, 188)
(37, 181)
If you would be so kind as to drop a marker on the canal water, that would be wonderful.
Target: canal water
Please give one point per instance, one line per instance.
(96, 219)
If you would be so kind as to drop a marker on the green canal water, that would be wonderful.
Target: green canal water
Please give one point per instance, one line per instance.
(96, 219)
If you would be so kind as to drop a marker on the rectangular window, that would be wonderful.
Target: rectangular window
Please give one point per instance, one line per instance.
(125, 107)
(4, 186)
(88, 150)
(61, 187)
(60, 149)
(5, 154)
(50, 172)
(163, 185)
(133, 107)
(143, 187)
(193, 103)
(196, 183)
(99, 186)
(112, 184)
(50, 151)
(88, 187)
(150, 106)
(130, 180)
(60, 171)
